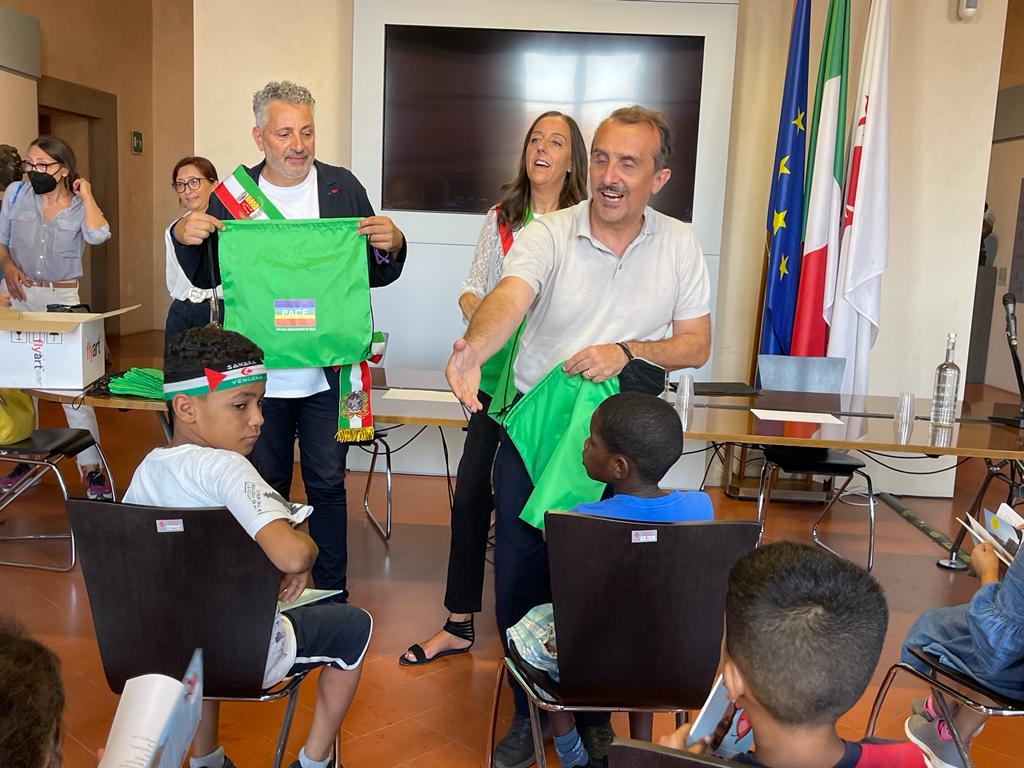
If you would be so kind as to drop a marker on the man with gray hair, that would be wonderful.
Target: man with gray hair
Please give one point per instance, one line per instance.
(299, 401)
(599, 284)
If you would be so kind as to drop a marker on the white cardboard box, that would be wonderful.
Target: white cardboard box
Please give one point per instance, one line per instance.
(54, 350)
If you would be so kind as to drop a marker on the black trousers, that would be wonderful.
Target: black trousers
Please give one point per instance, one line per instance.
(314, 420)
(182, 315)
(521, 576)
(471, 514)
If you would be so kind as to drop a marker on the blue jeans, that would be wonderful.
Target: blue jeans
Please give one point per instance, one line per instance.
(983, 639)
(314, 420)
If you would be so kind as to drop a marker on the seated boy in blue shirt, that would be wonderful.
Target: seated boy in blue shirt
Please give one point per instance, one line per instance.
(634, 440)
(214, 381)
(803, 633)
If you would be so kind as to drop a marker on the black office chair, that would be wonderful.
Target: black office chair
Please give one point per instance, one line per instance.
(627, 753)
(163, 582)
(946, 681)
(43, 450)
(809, 374)
(624, 592)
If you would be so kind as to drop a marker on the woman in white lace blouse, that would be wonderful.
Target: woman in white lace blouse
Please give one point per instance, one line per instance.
(552, 175)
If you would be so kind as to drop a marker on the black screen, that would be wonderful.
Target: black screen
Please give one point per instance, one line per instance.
(458, 102)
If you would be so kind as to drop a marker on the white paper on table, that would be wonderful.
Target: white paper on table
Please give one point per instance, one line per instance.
(805, 418)
(146, 704)
(308, 596)
(421, 395)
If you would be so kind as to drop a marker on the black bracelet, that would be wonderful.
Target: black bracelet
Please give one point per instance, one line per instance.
(625, 348)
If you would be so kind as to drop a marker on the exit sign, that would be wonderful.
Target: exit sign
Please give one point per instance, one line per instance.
(136, 142)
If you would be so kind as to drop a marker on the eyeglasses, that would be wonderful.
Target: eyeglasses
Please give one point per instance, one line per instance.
(28, 165)
(193, 184)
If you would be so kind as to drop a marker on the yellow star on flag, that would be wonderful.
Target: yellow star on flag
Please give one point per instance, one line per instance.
(778, 221)
(799, 122)
(782, 165)
(782, 267)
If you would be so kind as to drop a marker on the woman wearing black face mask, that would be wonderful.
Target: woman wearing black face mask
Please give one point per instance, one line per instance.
(43, 223)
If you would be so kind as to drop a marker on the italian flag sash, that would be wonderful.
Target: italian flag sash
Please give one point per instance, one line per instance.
(244, 200)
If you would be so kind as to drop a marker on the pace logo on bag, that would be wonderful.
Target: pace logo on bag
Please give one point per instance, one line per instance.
(294, 315)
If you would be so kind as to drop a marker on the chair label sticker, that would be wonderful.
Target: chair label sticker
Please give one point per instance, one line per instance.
(644, 537)
(170, 526)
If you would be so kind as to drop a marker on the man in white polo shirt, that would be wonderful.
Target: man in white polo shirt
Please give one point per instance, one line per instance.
(599, 283)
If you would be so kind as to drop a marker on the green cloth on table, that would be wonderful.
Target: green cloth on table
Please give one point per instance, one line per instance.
(140, 382)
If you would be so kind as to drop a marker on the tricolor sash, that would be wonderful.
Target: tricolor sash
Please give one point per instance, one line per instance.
(244, 200)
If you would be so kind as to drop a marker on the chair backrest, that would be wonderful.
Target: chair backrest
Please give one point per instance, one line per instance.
(801, 374)
(627, 753)
(639, 607)
(163, 582)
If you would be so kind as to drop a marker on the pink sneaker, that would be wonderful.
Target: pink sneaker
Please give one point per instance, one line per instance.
(97, 488)
(15, 476)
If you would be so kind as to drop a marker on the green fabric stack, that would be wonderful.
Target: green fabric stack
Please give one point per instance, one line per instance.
(140, 382)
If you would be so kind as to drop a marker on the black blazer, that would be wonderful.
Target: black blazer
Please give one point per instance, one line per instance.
(341, 196)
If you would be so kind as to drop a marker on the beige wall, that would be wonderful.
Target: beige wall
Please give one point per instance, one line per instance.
(251, 40)
(943, 78)
(142, 53)
(18, 118)
(1012, 71)
(172, 131)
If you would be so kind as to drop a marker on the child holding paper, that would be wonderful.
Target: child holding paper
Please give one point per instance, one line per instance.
(984, 639)
(214, 381)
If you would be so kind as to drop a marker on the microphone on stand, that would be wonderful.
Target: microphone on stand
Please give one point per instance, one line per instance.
(1010, 306)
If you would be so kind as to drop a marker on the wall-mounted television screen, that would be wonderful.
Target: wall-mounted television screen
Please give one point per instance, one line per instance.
(457, 103)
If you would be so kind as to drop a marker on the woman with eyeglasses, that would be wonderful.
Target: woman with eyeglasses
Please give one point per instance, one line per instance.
(45, 222)
(193, 178)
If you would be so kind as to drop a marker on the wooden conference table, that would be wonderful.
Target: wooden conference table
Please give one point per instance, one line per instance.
(417, 397)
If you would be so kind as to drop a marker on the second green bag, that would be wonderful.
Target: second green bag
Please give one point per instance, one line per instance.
(300, 289)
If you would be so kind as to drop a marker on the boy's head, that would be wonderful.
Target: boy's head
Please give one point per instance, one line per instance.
(632, 436)
(214, 381)
(803, 632)
(31, 700)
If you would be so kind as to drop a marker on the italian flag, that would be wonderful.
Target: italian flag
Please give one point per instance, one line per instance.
(355, 418)
(823, 192)
(243, 198)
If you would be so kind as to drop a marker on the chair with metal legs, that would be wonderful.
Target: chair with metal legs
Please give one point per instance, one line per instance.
(198, 581)
(43, 450)
(806, 375)
(946, 681)
(379, 441)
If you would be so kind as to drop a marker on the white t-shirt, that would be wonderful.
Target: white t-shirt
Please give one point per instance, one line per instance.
(188, 476)
(178, 285)
(587, 295)
(299, 202)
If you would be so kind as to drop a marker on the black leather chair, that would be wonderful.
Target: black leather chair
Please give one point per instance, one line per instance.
(163, 582)
(810, 374)
(43, 450)
(946, 681)
(624, 592)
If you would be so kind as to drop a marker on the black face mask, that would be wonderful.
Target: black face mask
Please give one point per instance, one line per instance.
(42, 183)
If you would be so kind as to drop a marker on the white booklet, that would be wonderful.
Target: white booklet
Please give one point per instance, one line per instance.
(983, 535)
(156, 720)
(308, 596)
(724, 722)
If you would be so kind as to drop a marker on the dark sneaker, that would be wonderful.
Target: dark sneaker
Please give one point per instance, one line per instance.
(597, 739)
(98, 489)
(516, 749)
(15, 476)
(935, 740)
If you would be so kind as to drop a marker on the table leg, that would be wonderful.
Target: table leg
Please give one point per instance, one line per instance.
(993, 471)
(165, 425)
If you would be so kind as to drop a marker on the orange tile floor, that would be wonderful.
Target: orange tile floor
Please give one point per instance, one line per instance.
(437, 715)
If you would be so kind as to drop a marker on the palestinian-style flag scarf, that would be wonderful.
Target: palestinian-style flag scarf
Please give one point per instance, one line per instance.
(244, 200)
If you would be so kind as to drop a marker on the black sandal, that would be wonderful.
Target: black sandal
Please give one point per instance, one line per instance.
(460, 629)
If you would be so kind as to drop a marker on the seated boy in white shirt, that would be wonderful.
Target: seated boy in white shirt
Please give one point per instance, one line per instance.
(214, 382)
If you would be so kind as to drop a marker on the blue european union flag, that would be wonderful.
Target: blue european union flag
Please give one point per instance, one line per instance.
(786, 203)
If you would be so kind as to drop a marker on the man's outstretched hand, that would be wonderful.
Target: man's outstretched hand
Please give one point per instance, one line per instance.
(463, 374)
